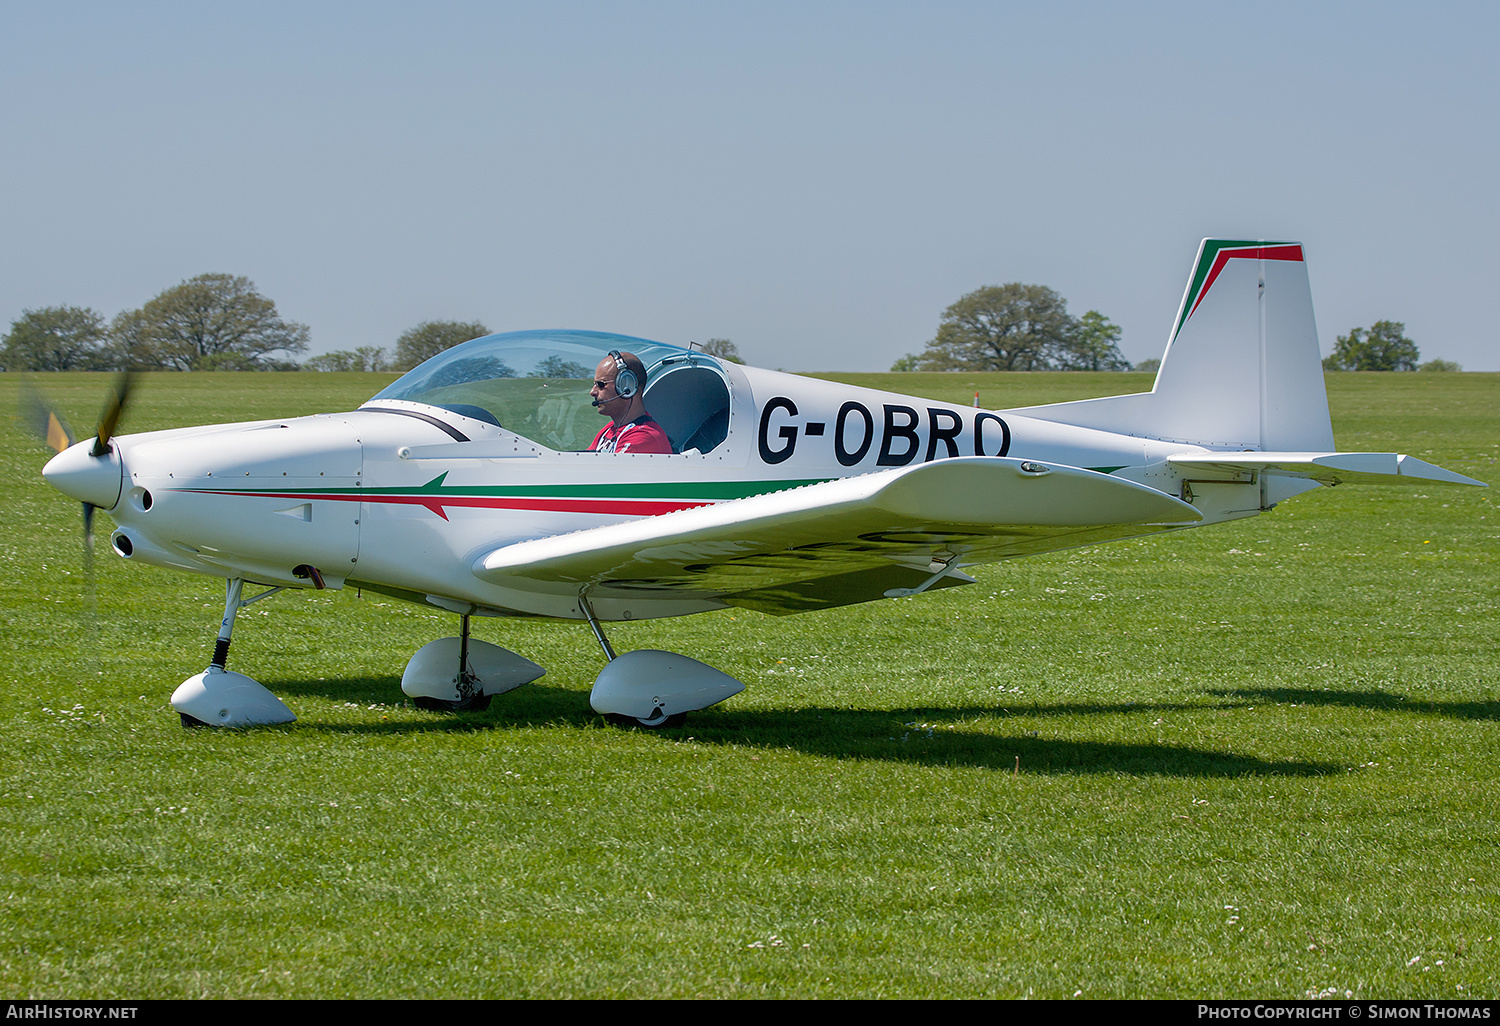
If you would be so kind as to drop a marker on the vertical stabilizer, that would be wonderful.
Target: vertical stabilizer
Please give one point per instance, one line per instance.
(1242, 368)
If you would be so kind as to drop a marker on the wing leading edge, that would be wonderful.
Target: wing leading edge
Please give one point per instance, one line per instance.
(844, 541)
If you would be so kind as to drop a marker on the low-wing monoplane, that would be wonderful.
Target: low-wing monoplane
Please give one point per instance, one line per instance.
(468, 485)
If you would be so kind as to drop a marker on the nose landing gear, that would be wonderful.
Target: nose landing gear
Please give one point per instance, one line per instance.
(222, 698)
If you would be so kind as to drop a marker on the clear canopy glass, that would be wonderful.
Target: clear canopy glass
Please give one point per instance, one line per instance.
(536, 383)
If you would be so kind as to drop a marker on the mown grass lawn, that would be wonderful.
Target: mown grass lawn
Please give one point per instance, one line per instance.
(1258, 759)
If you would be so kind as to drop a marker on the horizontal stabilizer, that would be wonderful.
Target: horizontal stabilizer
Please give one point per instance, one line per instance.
(1329, 468)
(841, 541)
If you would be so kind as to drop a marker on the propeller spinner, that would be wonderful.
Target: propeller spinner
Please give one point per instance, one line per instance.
(89, 471)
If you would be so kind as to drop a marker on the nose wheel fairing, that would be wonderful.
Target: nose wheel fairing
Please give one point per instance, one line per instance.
(222, 698)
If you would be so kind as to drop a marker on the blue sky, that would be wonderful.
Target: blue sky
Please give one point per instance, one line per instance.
(815, 181)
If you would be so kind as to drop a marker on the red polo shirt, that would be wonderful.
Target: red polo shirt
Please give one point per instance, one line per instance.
(641, 435)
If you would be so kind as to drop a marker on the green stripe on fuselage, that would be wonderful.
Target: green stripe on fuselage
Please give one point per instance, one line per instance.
(705, 490)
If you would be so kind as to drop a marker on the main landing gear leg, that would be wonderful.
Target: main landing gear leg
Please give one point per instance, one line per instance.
(470, 695)
(650, 688)
(222, 698)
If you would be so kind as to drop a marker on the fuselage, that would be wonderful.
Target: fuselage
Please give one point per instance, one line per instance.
(404, 494)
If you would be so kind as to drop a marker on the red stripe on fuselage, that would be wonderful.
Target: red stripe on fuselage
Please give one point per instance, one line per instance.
(436, 503)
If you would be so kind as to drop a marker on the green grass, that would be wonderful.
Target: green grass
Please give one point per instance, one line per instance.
(1258, 759)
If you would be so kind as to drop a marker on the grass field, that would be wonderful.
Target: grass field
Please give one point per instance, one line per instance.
(1258, 759)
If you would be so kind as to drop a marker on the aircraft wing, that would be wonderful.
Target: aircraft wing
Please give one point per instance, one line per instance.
(847, 540)
(1329, 468)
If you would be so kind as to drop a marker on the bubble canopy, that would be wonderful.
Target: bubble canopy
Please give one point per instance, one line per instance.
(536, 383)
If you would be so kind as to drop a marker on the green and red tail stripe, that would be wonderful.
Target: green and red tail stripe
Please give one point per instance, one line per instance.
(1212, 258)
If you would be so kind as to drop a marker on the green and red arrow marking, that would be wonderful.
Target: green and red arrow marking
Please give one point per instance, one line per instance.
(638, 500)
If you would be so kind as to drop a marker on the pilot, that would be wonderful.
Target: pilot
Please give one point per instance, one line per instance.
(618, 382)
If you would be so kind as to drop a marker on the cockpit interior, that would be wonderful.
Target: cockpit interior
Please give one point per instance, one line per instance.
(536, 384)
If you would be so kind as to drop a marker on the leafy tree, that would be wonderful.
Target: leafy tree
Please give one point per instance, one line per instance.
(1151, 366)
(372, 358)
(1095, 345)
(56, 338)
(429, 338)
(1446, 366)
(1384, 347)
(904, 364)
(723, 349)
(130, 346)
(213, 321)
(470, 368)
(556, 366)
(1011, 327)
(365, 358)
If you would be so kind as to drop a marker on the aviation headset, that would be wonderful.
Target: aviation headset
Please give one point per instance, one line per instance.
(627, 383)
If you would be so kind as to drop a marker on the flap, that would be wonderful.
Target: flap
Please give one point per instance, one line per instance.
(1329, 468)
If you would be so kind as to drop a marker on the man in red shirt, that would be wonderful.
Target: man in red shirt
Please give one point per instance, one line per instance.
(618, 382)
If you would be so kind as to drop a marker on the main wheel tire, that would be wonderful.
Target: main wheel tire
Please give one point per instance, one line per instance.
(478, 703)
(665, 723)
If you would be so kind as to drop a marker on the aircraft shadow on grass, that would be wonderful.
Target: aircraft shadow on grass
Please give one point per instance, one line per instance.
(924, 735)
(1366, 700)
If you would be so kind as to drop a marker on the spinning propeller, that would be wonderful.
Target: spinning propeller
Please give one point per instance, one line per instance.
(92, 476)
(114, 408)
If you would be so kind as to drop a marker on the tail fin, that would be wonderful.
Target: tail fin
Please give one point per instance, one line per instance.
(1242, 368)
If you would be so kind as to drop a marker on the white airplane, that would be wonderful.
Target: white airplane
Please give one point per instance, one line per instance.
(467, 485)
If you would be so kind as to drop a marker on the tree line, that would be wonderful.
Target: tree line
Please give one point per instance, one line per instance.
(211, 322)
(218, 322)
(221, 322)
(1383, 346)
(1020, 327)
(432, 337)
